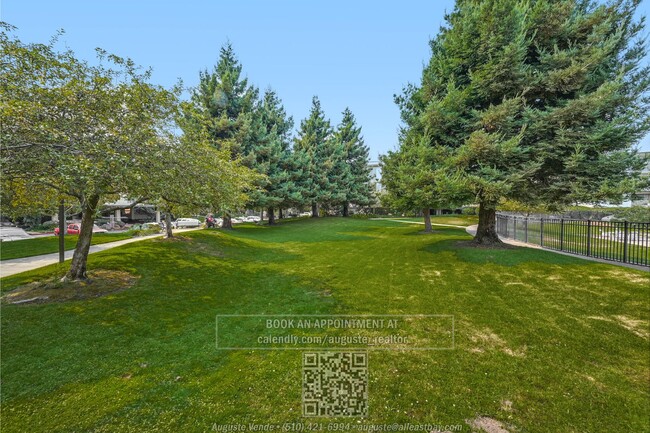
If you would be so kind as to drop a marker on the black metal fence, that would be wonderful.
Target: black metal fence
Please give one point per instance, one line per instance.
(619, 241)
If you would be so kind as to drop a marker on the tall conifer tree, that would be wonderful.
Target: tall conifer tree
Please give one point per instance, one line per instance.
(226, 100)
(539, 102)
(356, 186)
(313, 148)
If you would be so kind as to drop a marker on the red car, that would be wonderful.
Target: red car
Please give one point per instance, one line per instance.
(74, 228)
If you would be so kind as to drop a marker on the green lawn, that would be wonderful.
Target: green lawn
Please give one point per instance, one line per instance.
(50, 244)
(455, 220)
(543, 342)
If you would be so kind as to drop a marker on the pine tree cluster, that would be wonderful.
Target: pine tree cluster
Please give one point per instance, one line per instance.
(321, 166)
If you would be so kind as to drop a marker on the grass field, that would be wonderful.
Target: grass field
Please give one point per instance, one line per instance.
(454, 220)
(543, 342)
(50, 244)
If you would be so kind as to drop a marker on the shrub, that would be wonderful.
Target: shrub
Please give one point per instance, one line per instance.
(50, 225)
(637, 214)
(137, 232)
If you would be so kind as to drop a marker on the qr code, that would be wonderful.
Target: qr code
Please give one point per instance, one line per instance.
(335, 384)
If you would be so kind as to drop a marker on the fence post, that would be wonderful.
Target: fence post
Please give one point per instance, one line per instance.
(625, 243)
(541, 232)
(562, 234)
(588, 238)
(526, 230)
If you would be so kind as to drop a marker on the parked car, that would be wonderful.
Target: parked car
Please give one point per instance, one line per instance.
(75, 228)
(252, 218)
(186, 222)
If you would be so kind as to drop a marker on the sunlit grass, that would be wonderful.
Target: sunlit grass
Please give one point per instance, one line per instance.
(50, 244)
(544, 342)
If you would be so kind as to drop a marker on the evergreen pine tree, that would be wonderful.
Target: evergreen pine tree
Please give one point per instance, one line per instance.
(356, 185)
(313, 147)
(269, 152)
(538, 102)
(224, 97)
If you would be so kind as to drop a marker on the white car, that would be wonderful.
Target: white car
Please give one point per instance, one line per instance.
(252, 218)
(186, 222)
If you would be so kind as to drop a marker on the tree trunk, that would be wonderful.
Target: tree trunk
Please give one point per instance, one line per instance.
(261, 215)
(486, 233)
(314, 210)
(346, 209)
(168, 225)
(427, 220)
(227, 221)
(77, 269)
(271, 215)
(280, 216)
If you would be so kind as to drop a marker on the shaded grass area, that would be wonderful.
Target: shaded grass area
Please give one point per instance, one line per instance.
(563, 341)
(455, 220)
(50, 244)
(601, 240)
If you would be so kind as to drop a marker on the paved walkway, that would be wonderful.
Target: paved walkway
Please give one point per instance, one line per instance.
(13, 234)
(16, 266)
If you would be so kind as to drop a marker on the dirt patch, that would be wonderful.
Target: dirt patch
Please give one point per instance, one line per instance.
(486, 340)
(637, 327)
(471, 244)
(101, 282)
(429, 274)
(487, 425)
(630, 276)
(633, 325)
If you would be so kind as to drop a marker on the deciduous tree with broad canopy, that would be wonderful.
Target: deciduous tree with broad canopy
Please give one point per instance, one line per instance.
(91, 132)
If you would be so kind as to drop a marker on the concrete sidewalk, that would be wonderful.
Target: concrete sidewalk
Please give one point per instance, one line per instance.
(16, 266)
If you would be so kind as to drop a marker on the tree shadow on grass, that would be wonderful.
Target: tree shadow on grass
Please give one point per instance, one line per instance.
(436, 231)
(509, 255)
(305, 231)
(166, 319)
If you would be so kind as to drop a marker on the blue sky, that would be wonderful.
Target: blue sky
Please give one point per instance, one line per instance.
(350, 53)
